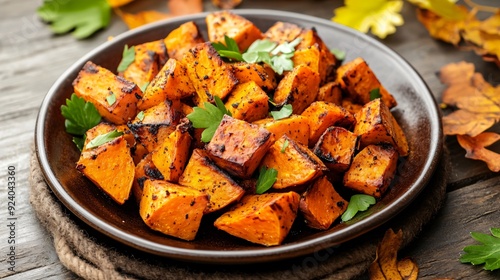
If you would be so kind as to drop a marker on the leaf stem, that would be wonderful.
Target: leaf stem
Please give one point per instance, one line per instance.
(481, 8)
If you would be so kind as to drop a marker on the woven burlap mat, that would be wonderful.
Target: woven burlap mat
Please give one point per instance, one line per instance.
(93, 256)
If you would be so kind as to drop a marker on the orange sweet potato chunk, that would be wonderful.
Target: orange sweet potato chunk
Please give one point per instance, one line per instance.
(263, 219)
(144, 170)
(282, 32)
(262, 74)
(248, 102)
(330, 92)
(336, 148)
(172, 209)
(296, 127)
(183, 38)
(321, 204)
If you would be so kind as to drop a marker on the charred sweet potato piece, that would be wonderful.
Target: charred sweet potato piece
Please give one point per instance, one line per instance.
(321, 204)
(144, 170)
(372, 170)
(248, 102)
(172, 82)
(157, 123)
(222, 23)
(172, 209)
(137, 150)
(282, 32)
(295, 163)
(202, 174)
(330, 92)
(336, 148)
(109, 165)
(357, 79)
(312, 57)
(149, 58)
(209, 74)
(171, 156)
(322, 115)
(376, 124)
(295, 127)
(299, 88)
(351, 106)
(263, 219)
(238, 146)
(183, 38)
(114, 97)
(263, 75)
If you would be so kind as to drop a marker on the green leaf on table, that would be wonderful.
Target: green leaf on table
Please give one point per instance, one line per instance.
(357, 203)
(81, 18)
(208, 118)
(103, 139)
(80, 115)
(488, 253)
(266, 179)
(284, 112)
(375, 93)
(128, 57)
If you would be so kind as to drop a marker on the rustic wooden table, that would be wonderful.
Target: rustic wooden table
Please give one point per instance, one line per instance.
(31, 59)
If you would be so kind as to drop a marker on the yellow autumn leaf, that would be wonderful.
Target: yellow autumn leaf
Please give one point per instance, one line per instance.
(443, 8)
(379, 16)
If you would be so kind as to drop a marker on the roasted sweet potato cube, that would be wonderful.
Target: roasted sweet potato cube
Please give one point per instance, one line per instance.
(312, 57)
(149, 59)
(144, 170)
(328, 61)
(171, 156)
(137, 150)
(238, 146)
(336, 148)
(225, 23)
(114, 97)
(202, 174)
(263, 219)
(209, 74)
(321, 204)
(299, 88)
(295, 163)
(109, 165)
(375, 125)
(156, 124)
(295, 127)
(372, 170)
(263, 75)
(248, 102)
(172, 82)
(172, 209)
(322, 115)
(183, 38)
(351, 106)
(330, 92)
(282, 32)
(357, 79)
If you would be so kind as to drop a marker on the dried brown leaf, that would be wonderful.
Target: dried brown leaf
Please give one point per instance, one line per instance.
(408, 269)
(476, 148)
(226, 4)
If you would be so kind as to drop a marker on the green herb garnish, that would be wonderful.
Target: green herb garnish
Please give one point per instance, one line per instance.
(80, 116)
(266, 179)
(487, 253)
(111, 98)
(358, 202)
(128, 57)
(374, 94)
(144, 86)
(339, 54)
(140, 115)
(285, 145)
(103, 139)
(284, 112)
(229, 50)
(208, 118)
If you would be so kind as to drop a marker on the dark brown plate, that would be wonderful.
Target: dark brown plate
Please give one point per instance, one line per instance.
(417, 113)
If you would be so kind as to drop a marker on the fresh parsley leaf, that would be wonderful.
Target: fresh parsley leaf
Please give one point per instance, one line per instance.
(283, 113)
(80, 115)
(266, 179)
(231, 54)
(140, 115)
(208, 118)
(128, 57)
(374, 94)
(81, 18)
(144, 86)
(487, 253)
(229, 50)
(111, 98)
(231, 44)
(281, 63)
(103, 139)
(285, 145)
(358, 202)
(79, 141)
(262, 46)
(339, 54)
(286, 47)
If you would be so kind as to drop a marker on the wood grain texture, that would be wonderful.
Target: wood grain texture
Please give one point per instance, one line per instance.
(31, 59)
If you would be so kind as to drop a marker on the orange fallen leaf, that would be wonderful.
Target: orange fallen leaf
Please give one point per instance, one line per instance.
(226, 4)
(184, 7)
(386, 265)
(140, 18)
(118, 3)
(441, 28)
(476, 148)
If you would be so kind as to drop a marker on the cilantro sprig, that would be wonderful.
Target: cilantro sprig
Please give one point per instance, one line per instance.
(283, 113)
(103, 139)
(357, 203)
(487, 253)
(208, 118)
(128, 56)
(267, 177)
(374, 94)
(269, 52)
(80, 116)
